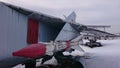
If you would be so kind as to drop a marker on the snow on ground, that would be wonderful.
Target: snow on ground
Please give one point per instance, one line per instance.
(107, 56)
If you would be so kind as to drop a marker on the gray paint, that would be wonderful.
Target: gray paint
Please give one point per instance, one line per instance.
(13, 31)
(67, 33)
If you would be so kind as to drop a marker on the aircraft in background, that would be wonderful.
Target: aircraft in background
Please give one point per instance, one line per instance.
(88, 32)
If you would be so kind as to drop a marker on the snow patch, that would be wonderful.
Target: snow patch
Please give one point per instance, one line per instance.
(107, 56)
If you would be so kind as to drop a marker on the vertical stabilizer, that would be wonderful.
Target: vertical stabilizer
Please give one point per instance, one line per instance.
(71, 17)
(67, 33)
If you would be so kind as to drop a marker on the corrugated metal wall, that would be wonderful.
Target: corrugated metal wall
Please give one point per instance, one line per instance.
(13, 31)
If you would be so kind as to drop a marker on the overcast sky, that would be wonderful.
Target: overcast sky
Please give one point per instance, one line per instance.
(92, 12)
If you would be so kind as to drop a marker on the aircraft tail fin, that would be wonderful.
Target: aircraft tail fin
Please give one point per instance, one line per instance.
(71, 17)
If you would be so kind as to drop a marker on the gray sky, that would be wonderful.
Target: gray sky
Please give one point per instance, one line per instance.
(92, 12)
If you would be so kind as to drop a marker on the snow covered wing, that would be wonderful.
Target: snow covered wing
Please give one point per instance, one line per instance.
(99, 32)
